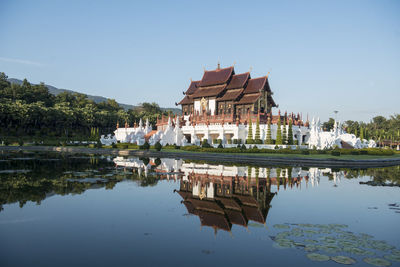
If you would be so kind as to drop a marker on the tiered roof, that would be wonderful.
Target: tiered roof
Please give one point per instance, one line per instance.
(225, 85)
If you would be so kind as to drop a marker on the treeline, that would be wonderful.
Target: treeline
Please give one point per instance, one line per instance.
(29, 110)
(379, 128)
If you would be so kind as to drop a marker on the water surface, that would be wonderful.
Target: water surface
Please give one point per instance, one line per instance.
(80, 210)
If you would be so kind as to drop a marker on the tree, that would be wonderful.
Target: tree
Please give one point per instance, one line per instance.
(361, 133)
(257, 135)
(269, 135)
(250, 132)
(279, 133)
(290, 133)
(284, 132)
(328, 125)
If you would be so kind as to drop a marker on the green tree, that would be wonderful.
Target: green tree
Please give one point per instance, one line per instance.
(269, 135)
(284, 132)
(257, 135)
(328, 125)
(290, 133)
(250, 132)
(361, 133)
(279, 133)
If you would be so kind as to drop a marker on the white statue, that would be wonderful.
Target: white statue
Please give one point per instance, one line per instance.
(108, 141)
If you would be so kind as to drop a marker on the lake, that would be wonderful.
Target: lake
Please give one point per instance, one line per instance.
(87, 210)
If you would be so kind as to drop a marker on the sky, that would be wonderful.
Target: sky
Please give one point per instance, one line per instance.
(322, 55)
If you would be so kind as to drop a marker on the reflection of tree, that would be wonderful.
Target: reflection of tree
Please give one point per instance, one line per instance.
(50, 174)
(387, 174)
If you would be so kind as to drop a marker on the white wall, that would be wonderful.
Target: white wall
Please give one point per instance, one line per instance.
(197, 106)
(211, 106)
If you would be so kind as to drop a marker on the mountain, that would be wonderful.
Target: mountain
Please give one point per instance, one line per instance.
(55, 91)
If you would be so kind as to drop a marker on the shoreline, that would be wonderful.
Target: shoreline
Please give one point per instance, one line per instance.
(221, 157)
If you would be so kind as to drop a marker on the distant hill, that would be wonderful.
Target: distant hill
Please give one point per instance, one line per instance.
(55, 91)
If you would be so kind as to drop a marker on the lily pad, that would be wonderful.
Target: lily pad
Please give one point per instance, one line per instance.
(258, 225)
(377, 261)
(343, 260)
(318, 257)
(283, 243)
(356, 251)
(281, 226)
(311, 248)
(381, 245)
(392, 257)
(331, 248)
(311, 241)
(396, 252)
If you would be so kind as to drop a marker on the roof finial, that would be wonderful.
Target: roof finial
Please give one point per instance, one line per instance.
(191, 79)
(251, 68)
(234, 63)
(267, 74)
(219, 66)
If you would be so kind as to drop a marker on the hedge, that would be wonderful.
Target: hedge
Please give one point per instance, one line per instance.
(335, 152)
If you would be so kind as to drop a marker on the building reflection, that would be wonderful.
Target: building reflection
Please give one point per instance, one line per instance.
(223, 196)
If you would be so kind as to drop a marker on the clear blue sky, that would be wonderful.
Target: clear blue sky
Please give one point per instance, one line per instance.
(323, 56)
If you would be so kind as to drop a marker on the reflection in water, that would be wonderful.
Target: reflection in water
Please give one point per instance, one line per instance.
(236, 194)
(220, 196)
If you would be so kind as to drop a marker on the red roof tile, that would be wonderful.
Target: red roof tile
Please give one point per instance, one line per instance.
(248, 98)
(192, 87)
(186, 100)
(208, 91)
(231, 95)
(218, 76)
(255, 85)
(238, 80)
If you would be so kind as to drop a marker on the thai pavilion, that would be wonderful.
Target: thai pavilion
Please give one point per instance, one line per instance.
(222, 105)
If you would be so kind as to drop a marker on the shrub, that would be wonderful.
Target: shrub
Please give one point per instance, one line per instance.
(6, 142)
(99, 144)
(335, 153)
(239, 146)
(305, 152)
(321, 151)
(257, 141)
(20, 142)
(124, 146)
(220, 145)
(158, 146)
(243, 147)
(205, 144)
(114, 145)
(219, 141)
(91, 146)
(276, 147)
(145, 146)
(229, 141)
(215, 141)
(355, 152)
(249, 141)
(235, 141)
(177, 147)
(363, 152)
